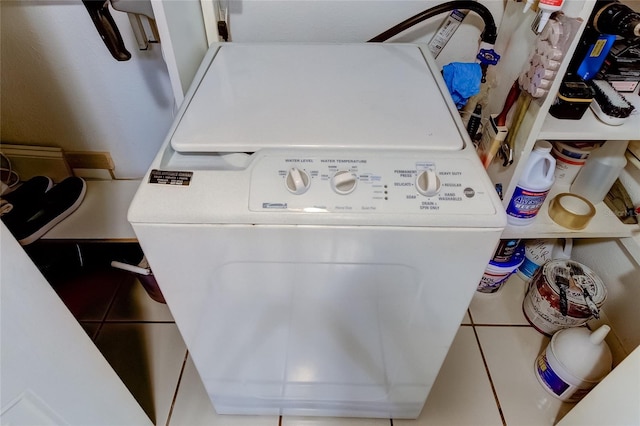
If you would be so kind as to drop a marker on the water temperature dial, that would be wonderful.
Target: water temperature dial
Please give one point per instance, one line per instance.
(344, 182)
(428, 183)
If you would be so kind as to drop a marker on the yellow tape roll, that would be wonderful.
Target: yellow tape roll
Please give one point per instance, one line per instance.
(571, 211)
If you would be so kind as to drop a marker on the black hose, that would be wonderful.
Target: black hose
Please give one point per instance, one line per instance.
(488, 35)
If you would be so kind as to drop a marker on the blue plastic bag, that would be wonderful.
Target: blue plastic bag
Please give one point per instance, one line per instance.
(463, 81)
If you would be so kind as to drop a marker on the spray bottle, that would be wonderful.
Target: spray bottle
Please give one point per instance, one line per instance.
(533, 186)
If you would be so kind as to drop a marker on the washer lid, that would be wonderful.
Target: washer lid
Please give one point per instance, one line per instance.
(317, 95)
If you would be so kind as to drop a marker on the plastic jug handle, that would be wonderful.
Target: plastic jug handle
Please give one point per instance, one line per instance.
(552, 168)
(562, 249)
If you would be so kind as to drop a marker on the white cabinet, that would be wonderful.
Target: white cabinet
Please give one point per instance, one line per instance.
(184, 29)
(52, 373)
(590, 128)
(607, 245)
(538, 124)
(612, 402)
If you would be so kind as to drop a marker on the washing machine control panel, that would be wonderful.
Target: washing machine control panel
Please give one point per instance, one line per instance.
(382, 184)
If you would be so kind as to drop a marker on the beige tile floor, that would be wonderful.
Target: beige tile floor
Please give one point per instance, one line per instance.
(487, 377)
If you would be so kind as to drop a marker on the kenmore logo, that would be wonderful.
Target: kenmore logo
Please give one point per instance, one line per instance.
(274, 205)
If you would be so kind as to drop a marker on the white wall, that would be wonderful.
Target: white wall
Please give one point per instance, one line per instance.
(61, 87)
(621, 276)
(350, 21)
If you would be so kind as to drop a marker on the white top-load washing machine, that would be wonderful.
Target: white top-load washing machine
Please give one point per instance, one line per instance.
(317, 221)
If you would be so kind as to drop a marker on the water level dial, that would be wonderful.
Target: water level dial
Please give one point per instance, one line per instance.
(297, 181)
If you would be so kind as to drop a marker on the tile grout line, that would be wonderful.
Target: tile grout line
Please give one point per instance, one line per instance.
(111, 303)
(175, 394)
(106, 313)
(486, 367)
(470, 316)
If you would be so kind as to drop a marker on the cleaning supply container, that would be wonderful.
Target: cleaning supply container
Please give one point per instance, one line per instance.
(540, 251)
(533, 185)
(497, 273)
(563, 294)
(505, 250)
(580, 150)
(567, 168)
(547, 7)
(570, 157)
(574, 362)
(600, 172)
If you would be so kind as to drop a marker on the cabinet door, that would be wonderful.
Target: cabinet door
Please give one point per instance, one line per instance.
(183, 40)
(52, 373)
(612, 402)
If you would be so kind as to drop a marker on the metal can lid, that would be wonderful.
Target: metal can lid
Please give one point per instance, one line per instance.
(582, 282)
(577, 91)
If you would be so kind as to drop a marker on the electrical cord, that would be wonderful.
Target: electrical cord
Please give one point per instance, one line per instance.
(488, 35)
(8, 177)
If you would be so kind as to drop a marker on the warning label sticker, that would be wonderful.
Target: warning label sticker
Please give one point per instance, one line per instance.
(170, 177)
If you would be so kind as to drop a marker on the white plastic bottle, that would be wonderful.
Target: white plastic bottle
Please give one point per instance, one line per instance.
(533, 186)
(547, 7)
(574, 362)
(600, 171)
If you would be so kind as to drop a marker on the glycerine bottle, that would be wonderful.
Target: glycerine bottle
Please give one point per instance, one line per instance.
(600, 171)
(574, 362)
(533, 186)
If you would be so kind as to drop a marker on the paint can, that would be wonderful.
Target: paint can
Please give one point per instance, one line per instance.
(497, 273)
(563, 294)
(570, 157)
(567, 168)
(579, 150)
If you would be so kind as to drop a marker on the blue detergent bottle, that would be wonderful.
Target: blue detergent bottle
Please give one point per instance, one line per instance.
(533, 186)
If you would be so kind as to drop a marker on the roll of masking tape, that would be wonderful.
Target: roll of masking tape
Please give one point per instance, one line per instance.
(571, 211)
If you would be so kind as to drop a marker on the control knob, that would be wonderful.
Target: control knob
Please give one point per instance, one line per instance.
(428, 183)
(344, 182)
(297, 181)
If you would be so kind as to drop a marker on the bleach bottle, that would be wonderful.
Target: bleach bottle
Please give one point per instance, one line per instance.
(533, 186)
